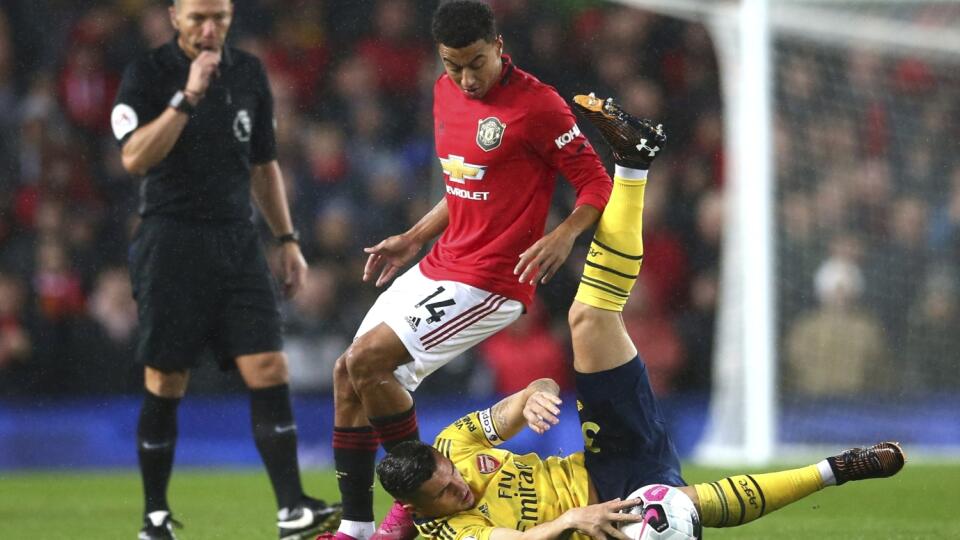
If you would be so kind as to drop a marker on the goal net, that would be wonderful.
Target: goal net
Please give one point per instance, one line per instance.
(840, 309)
(867, 207)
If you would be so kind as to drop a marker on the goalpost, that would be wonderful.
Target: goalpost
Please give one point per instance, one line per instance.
(796, 73)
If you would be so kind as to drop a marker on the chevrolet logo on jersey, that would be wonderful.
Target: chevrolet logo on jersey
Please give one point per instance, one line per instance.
(459, 171)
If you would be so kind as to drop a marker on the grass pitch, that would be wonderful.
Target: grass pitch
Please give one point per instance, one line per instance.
(917, 503)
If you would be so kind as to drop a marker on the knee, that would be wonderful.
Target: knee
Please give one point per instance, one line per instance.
(342, 385)
(171, 385)
(365, 363)
(599, 338)
(264, 370)
(275, 369)
(581, 318)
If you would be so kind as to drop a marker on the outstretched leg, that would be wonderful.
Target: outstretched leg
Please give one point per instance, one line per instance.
(600, 340)
(625, 436)
(604, 356)
(743, 498)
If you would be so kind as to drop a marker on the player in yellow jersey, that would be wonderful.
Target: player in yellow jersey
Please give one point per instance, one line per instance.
(465, 488)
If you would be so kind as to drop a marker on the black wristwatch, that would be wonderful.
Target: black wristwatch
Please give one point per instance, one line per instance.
(289, 237)
(180, 103)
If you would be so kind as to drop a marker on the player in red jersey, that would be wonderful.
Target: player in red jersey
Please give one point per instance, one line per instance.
(501, 137)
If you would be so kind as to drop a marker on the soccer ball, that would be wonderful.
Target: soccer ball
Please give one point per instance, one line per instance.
(668, 514)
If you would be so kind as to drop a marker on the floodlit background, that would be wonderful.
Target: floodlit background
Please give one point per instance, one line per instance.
(800, 285)
(800, 291)
(352, 82)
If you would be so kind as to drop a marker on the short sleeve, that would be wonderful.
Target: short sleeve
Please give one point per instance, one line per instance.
(473, 432)
(137, 102)
(263, 143)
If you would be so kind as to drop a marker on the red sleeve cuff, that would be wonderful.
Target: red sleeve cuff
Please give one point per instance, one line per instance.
(595, 199)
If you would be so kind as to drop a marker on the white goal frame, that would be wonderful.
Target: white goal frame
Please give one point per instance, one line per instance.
(742, 428)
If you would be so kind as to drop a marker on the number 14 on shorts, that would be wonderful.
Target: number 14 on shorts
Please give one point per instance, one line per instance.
(436, 307)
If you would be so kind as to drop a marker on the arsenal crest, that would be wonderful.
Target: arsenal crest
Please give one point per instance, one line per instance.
(487, 463)
(490, 133)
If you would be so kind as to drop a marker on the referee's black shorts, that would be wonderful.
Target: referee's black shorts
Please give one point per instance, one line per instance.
(199, 287)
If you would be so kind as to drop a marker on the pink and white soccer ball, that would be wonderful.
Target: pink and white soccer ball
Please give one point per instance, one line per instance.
(668, 514)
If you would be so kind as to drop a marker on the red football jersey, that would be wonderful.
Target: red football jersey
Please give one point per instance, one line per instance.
(500, 157)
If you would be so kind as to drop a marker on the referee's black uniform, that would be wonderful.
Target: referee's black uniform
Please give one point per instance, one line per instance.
(198, 268)
(195, 119)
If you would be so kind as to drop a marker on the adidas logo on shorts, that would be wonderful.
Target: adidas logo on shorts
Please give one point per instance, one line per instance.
(414, 322)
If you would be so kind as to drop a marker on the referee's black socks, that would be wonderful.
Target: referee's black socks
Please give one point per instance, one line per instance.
(275, 434)
(156, 442)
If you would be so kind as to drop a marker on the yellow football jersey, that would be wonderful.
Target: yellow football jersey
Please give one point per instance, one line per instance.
(513, 491)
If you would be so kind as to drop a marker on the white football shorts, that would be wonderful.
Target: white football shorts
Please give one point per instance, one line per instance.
(437, 320)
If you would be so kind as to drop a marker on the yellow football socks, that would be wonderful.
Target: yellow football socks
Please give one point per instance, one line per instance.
(743, 498)
(616, 252)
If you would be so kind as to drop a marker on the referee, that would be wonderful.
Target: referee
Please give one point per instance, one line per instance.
(194, 118)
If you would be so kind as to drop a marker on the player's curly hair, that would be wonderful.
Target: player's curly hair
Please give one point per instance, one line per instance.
(406, 468)
(459, 23)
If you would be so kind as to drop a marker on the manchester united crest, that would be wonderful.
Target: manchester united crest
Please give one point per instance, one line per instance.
(490, 133)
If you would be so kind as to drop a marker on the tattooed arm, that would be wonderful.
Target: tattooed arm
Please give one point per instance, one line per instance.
(537, 405)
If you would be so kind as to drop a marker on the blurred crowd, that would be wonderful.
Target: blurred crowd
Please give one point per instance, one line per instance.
(352, 84)
(869, 213)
